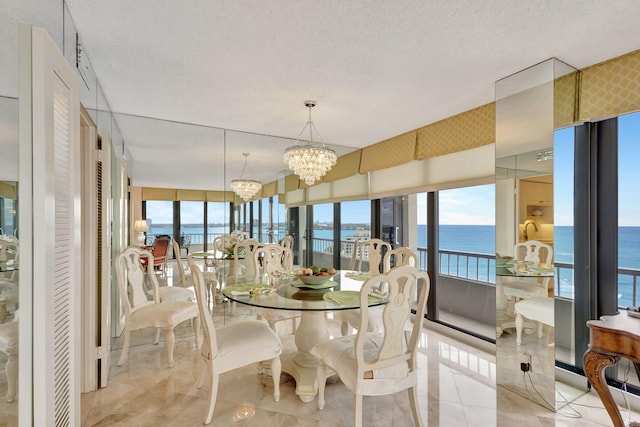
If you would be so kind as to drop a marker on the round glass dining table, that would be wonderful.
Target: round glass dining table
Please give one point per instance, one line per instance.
(340, 293)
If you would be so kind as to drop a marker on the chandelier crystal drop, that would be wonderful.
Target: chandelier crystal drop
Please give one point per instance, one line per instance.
(246, 188)
(311, 161)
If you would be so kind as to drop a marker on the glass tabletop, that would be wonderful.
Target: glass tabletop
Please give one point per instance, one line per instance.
(513, 271)
(294, 295)
(211, 255)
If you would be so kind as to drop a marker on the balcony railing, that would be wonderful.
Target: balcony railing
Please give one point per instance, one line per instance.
(480, 268)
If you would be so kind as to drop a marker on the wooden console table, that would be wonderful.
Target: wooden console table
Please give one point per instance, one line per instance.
(610, 338)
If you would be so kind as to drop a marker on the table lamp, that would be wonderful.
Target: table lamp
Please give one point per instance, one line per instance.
(141, 227)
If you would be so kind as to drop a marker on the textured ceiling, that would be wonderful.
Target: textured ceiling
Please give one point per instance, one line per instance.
(376, 68)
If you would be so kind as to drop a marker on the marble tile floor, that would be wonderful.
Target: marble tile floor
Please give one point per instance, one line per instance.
(457, 388)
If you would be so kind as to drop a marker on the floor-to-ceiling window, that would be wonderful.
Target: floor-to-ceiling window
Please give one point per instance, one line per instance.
(217, 220)
(8, 212)
(323, 244)
(266, 227)
(159, 218)
(421, 229)
(466, 229)
(279, 218)
(355, 224)
(628, 224)
(192, 223)
(563, 183)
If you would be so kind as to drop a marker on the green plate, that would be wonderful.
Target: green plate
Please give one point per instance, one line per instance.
(348, 298)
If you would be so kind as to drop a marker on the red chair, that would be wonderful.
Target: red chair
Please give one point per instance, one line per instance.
(159, 250)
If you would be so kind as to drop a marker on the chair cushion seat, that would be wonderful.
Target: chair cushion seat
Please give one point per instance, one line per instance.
(165, 315)
(244, 342)
(538, 309)
(9, 337)
(339, 355)
(524, 288)
(175, 294)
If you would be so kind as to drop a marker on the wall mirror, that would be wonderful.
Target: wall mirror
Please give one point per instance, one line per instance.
(529, 106)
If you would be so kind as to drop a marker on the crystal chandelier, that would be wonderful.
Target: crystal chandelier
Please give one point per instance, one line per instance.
(311, 161)
(246, 188)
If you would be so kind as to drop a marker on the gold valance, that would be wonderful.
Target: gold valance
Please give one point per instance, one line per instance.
(191, 195)
(172, 194)
(149, 193)
(291, 183)
(346, 166)
(391, 152)
(220, 196)
(471, 129)
(610, 88)
(270, 189)
(9, 190)
(565, 104)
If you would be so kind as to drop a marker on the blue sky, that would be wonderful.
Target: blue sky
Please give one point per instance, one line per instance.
(476, 205)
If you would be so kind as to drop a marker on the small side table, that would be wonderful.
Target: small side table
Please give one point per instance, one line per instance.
(610, 338)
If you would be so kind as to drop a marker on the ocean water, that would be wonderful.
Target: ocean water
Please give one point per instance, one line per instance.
(481, 239)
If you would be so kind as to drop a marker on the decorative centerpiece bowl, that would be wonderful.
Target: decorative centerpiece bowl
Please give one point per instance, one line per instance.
(314, 280)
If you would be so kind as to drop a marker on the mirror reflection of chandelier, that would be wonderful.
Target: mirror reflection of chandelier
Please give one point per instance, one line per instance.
(246, 188)
(311, 161)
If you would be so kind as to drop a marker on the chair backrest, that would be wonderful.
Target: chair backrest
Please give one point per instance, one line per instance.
(368, 252)
(240, 235)
(179, 266)
(9, 252)
(287, 242)
(131, 275)
(223, 243)
(535, 251)
(243, 256)
(399, 257)
(160, 247)
(271, 258)
(398, 348)
(209, 348)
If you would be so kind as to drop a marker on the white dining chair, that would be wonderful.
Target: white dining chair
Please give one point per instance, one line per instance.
(270, 261)
(9, 345)
(184, 278)
(139, 311)
(243, 262)
(232, 346)
(367, 255)
(9, 291)
(373, 252)
(399, 257)
(539, 255)
(377, 364)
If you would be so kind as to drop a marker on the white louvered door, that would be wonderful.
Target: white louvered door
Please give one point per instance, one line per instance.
(49, 377)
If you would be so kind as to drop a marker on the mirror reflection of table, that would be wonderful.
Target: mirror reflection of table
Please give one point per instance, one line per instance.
(313, 328)
(8, 294)
(504, 319)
